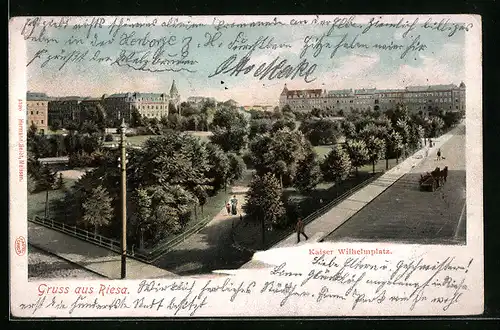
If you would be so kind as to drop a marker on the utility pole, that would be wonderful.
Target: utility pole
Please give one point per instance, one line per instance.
(123, 162)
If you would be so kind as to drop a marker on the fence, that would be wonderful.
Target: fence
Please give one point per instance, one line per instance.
(316, 214)
(115, 245)
(324, 209)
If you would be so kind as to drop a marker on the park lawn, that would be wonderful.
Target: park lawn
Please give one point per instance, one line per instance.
(138, 140)
(322, 151)
(36, 202)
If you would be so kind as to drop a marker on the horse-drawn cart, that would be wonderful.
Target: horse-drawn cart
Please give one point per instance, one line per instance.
(433, 180)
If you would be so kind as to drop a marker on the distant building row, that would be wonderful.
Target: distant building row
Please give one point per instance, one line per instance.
(43, 110)
(417, 98)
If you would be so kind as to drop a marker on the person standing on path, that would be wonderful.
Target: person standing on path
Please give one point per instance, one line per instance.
(234, 205)
(228, 208)
(300, 230)
(439, 154)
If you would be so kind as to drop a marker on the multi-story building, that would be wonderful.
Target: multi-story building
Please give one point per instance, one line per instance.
(70, 109)
(418, 98)
(37, 110)
(150, 105)
(443, 97)
(64, 110)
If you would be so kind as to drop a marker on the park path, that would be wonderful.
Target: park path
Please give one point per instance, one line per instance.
(89, 256)
(211, 248)
(335, 217)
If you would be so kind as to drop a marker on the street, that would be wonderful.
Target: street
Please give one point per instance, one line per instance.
(403, 213)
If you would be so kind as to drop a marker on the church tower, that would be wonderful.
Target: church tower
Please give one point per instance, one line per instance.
(283, 97)
(174, 94)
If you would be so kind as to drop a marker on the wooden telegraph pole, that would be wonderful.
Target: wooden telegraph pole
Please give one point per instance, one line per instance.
(123, 162)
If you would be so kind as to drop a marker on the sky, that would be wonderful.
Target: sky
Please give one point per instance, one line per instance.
(441, 62)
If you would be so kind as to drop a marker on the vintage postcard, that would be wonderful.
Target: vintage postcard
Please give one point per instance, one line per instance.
(245, 166)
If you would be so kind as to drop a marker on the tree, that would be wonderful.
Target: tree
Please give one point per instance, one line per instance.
(417, 133)
(172, 159)
(219, 167)
(376, 149)
(55, 125)
(97, 209)
(286, 108)
(46, 182)
(259, 126)
(136, 118)
(229, 118)
(320, 132)
(358, 153)
(403, 129)
(279, 154)
(283, 123)
(37, 144)
(88, 127)
(193, 122)
(436, 127)
(264, 203)
(143, 214)
(394, 147)
(336, 166)
(308, 173)
(348, 129)
(231, 139)
(237, 167)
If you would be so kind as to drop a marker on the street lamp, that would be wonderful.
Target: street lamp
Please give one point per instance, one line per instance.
(123, 162)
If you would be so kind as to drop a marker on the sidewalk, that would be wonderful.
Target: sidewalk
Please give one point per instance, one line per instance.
(327, 223)
(89, 256)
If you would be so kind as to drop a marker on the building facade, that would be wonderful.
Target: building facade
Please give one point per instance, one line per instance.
(418, 98)
(149, 105)
(37, 110)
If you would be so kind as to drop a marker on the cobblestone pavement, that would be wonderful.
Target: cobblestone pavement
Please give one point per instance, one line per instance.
(43, 265)
(403, 213)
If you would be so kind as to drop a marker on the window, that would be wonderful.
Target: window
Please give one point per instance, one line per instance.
(37, 112)
(42, 121)
(31, 112)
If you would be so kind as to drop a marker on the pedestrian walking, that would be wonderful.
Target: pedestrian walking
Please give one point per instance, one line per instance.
(234, 205)
(430, 143)
(228, 208)
(300, 230)
(445, 173)
(439, 154)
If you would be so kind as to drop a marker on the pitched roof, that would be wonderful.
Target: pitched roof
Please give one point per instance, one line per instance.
(340, 92)
(365, 91)
(304, 92)
(32, 96)
(431, 88)
(137, 95)
(173, 90)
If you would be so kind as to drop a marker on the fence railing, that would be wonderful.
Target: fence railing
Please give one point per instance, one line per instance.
(324, 209)
(82, 234)
(115, 245)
